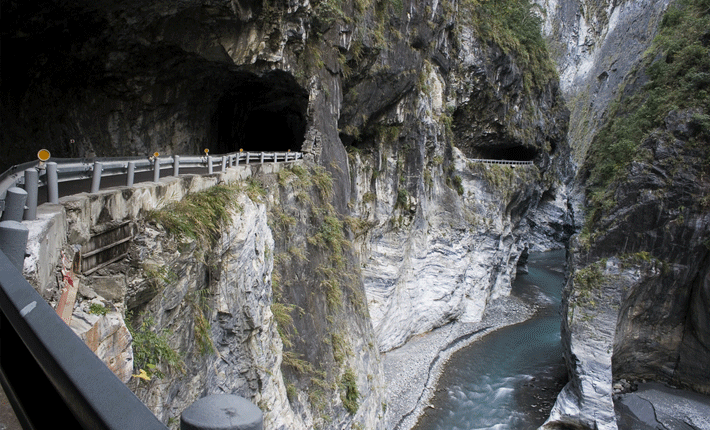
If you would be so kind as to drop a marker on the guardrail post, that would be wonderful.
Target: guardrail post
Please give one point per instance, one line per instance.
(276, 158)
(224, 412)
(31, 185)
(236, 156)
(248, 153)
(261, 161)
(130, 176)
(156, 169)
(52, 183)
(13, 242)
(224, 163)
(209, 164)
(14, 204)
(176, 165)
(96, 179)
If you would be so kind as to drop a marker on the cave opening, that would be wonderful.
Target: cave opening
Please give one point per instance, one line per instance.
(266, 113)
(514, 153)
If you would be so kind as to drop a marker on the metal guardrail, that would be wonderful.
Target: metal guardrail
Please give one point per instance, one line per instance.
(73, 169)
(510, 162)
(48, 372)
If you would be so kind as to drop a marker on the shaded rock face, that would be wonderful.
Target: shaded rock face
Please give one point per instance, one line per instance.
(596, 43)
(632, 304)
(108, 79)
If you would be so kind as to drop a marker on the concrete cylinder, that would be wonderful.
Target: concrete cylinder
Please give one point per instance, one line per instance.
(156, 170)
(96, 178)
(131, 175)
(176, 165)
(31, 186)
(14, 204)
(52, 183)
(13, 242)
(222, 412)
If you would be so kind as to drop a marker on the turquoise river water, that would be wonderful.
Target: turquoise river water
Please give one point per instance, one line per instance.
(509, 378)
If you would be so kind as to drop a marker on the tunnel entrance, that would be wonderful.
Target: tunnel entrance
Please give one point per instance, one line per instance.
(515, 153)
(265, 113)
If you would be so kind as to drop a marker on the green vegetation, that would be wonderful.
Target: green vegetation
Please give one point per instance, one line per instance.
(199, 216)
(151, 349)
(457, 184)
(588, 282)
(159, 276)
(678, 70)
(514, 27)
(349, 394)
(98, 309)
(202, 328)
(402, 199)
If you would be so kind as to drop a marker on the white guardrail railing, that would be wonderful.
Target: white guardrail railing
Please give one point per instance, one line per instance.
(483, 160)
(54, 171)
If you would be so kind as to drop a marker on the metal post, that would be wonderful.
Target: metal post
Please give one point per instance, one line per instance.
(13, 242)
(130, 176)
(176, 165)
(276, 158)
(31, 185)
(209, 164)
(261, 161)
(96, 179)
(248, 153)
(222, 411)
(236, 156)
(224, 163)
(156, 170)
(52, 183)
(14, 204)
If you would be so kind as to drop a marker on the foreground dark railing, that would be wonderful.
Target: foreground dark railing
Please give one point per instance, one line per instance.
(48, 372)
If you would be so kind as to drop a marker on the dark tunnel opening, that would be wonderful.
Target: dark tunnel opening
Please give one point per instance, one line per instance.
(515, 153)
(261, 114)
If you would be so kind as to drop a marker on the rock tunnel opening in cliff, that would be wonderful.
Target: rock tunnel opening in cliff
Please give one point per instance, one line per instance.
(265, 113)
(513, 153)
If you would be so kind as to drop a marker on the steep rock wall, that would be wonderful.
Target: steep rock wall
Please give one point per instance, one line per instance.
(444, 232)
(638, 268)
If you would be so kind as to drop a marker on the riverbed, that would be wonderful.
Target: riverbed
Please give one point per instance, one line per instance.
(501, 373)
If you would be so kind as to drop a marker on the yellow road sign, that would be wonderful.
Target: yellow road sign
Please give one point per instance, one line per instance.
(43, 155)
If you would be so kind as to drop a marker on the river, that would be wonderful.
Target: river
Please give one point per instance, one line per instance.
(509, 379)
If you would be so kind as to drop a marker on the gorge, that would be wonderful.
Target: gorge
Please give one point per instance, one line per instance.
(291, 287)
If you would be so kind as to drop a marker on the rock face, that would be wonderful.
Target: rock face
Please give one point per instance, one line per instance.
(404, 231)
(596, 43)
(219, 315)
(639, 269)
